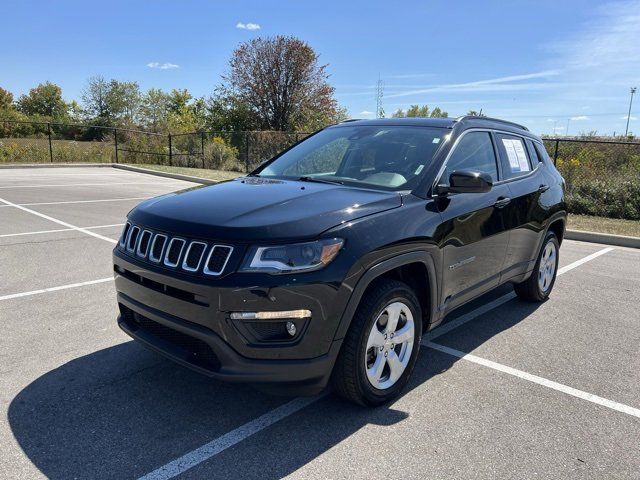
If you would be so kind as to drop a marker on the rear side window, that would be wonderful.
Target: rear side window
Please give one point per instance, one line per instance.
(541, 152)
(513, 155)
(474, 152)
(533, 154)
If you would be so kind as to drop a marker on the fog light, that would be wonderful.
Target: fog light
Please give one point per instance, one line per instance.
(270, 315)
(291, 328)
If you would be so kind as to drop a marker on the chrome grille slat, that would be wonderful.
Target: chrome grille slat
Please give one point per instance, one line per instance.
(152, 257)
(174, 240)
(125, 234)
(145, 234)
(132, 239)
(175, 252)
(185, 262)
(214, 248)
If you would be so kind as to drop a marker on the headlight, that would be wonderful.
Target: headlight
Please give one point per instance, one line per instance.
(297, 257)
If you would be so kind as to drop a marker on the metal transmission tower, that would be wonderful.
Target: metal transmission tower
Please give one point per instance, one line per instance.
(626, 131)
(379, 94)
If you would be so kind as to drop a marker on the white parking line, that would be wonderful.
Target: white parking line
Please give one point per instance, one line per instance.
(59, 230)
(78, 201)
(462, 319)
(55, 289)
(211, 449)
(59, 222)
(586, 259)
(176, 182)
(589, 397)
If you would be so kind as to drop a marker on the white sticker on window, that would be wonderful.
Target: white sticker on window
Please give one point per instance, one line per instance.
(516, 154)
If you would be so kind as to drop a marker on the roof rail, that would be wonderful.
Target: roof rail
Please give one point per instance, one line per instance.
(491, 119)
(350, 120)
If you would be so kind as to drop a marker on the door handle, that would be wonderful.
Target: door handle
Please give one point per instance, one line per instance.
(543, 188)
(502, 202)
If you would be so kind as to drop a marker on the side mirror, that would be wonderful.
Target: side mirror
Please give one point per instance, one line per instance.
(466, 181)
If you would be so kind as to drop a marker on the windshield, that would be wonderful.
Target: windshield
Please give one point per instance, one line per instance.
(388, 157)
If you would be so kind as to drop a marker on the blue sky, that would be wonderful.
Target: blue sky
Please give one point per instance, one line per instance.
(543, 63)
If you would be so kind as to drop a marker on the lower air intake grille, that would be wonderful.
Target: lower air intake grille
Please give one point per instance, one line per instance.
(191, 349)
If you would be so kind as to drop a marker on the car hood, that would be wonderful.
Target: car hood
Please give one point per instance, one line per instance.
(253, 208)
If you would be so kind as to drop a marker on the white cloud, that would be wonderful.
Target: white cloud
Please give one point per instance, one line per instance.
(580, 117)
(248, 26)
(558, 129)
(632, 118)
(162, 66)
(366, 112)
(489, 85)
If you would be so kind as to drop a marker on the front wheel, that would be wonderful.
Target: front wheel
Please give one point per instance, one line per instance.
(539, 285)
(380, 349)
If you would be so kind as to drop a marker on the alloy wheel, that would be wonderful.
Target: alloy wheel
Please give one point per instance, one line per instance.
(547, 267)
(389, 345)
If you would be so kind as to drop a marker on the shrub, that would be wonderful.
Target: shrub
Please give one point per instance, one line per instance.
(221, 156)
(614, 197)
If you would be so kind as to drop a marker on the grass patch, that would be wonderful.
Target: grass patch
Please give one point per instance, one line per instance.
(36, 150)
(216, 175)
(616, 226)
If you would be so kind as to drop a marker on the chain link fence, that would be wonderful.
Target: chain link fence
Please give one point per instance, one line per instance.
(47, 142)
(602, 175)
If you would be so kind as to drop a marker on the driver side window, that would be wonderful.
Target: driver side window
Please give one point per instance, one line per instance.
(473, 152)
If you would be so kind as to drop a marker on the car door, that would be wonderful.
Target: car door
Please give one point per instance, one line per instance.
(473, 236)
(523, 173)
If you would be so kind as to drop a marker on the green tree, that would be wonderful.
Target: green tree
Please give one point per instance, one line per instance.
(420, 111)
(44, 101)
(438, 113)
(123, 102)
(226, 113)
(280, 80)
(94, 100)
(153, 110)
(6, 100)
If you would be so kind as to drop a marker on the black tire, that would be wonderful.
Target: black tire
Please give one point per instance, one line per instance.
(349, 377)
(530, 289)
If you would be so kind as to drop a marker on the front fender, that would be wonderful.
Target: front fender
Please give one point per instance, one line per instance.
(378, 269)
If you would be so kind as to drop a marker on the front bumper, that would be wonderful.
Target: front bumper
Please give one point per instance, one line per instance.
(189, 322)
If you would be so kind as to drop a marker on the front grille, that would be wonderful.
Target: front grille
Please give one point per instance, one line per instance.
(193, 256)
(133, 239)
(143, 244)
(191, 349)
(217, 259)
(174, 252)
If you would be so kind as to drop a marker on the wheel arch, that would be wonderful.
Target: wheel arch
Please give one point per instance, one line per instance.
(409, 267)
(558, 225)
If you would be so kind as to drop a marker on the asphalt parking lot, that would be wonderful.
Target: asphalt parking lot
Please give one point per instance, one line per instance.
(504, 389)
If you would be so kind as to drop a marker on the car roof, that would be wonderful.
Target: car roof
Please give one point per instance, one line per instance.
(467, 121)
(406, 121)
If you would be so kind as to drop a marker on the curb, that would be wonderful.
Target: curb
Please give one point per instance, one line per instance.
(175, 176)
(55, 165)
(605, 238)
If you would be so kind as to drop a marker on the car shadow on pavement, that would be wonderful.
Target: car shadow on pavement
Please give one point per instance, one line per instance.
(123, 411)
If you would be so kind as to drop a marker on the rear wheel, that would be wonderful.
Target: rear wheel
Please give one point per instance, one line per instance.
(380, 349)
(539, 285)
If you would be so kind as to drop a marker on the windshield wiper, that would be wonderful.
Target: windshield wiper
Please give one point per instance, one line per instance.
(319, 180)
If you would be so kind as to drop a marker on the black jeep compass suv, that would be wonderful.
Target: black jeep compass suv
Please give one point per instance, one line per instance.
(329, 261)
